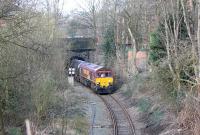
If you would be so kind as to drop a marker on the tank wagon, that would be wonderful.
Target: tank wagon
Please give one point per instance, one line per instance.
(97, 77)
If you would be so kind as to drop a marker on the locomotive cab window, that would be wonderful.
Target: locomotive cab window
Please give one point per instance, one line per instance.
(108, 74)
(104, 74)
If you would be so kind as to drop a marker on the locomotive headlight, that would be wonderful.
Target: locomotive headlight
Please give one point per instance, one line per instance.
(109, 82)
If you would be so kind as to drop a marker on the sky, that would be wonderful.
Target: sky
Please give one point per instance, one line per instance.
(70, 5)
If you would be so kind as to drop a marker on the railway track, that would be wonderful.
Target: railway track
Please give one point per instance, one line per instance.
(122, 123)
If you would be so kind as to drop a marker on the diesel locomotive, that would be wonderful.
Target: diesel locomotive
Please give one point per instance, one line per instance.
(97, 77)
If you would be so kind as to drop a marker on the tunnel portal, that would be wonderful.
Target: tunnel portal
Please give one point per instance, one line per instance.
(81, 48)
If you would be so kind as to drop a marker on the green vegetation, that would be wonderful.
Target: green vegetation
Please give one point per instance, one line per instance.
(108, 47)
(143, 105)
(157, 116)
(32, 81)
(157, 48)
(15, 131)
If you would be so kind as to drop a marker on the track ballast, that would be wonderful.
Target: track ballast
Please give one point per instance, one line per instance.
(122, 123)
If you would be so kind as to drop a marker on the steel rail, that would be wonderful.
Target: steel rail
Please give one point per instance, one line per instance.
(112, 116)
(114, 108)
(127, 115)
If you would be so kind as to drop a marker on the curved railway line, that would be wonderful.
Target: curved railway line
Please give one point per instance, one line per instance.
(122, 123)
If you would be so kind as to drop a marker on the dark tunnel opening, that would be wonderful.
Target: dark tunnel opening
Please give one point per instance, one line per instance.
(69, 63)
(76, 57)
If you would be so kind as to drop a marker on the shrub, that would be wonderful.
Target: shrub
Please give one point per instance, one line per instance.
(108, 46)
(143, 104)
(156, 116)
(14, 131)
(189, 116)
(157, 48)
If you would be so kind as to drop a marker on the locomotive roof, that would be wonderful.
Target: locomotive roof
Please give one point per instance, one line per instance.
(90, 66)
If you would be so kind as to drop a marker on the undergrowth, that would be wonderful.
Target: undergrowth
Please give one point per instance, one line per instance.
(156, 97)
(189, 116)
(143, 104)
(153, 92)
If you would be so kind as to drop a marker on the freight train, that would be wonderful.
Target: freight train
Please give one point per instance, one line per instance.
(98, 78)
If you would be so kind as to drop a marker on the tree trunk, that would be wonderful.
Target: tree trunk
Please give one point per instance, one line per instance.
(167, 48)
(198, 44)
(194, 53)
(2, 130)
(198, 38)
(132, 63)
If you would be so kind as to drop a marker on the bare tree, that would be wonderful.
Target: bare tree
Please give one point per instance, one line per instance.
(198, 39)
(26, 43)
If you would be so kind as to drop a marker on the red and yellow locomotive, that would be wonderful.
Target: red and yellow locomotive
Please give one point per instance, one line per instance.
(94, 76)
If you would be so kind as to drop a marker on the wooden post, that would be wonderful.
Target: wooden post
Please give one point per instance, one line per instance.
(71, 80)
(28, 127)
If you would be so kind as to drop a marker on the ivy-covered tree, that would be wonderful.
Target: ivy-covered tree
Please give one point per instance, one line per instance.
(108, 47)
(157, 49)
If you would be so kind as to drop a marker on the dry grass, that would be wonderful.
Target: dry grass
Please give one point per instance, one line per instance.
(169, 112)
(189, 117)
(145, 94)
